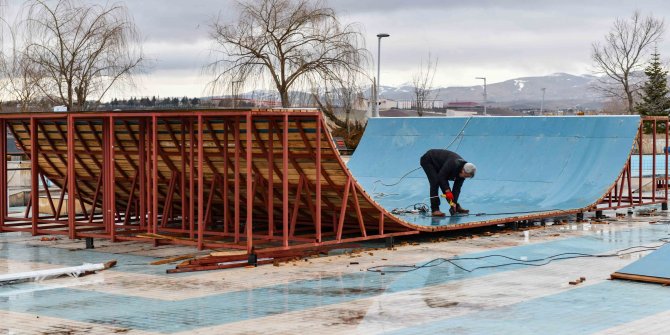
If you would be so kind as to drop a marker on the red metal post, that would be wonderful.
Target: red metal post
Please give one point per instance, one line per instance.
(250, 195)
(666, 149)
(226, 166)
(191, 181)
(285, 151)
(112, 177)
(237, 180)
(318, 179)
(71, 192)
(343, 210)
(182, 177)
(154, 174)
(131, 198)
(271, 165)
(143, 173)
(34, 170)
(3, 173)
(48, 193)
(653, 163)
(639, 175)
(201, 185)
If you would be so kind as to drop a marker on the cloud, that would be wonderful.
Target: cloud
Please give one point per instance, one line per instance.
(497, 39)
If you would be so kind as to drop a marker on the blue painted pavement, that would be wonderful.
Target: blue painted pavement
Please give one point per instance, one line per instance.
(218, 309)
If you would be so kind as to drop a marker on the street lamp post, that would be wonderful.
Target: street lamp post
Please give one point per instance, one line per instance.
(542, 105)
(485, 99)
(379, 44)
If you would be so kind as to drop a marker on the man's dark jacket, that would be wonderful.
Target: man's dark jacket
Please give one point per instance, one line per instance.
(441, 166)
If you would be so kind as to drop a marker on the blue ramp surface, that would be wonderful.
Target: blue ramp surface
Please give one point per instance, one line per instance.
(526, 166)
(651, 268)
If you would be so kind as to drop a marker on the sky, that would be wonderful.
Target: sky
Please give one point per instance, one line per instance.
(496, 39)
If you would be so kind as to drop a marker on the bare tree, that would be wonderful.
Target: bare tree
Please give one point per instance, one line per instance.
(288, 42)
(343, 93)
(423, 83)
(20, 75)
(81, 50)
(621, 56)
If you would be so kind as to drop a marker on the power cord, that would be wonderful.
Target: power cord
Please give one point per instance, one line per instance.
(379, 181)
(403, 268)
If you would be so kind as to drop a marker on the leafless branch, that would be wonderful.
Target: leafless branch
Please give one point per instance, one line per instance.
(80, 50)
(289, 42)
(622, 53)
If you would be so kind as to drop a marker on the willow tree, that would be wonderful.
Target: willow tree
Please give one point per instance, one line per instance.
(291, 43)
(622, 55)
(80, 50)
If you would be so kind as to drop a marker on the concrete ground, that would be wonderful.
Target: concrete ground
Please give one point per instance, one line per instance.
(493, 281)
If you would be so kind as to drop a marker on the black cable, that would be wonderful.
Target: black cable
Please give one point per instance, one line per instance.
(460, 134)
(403, 268)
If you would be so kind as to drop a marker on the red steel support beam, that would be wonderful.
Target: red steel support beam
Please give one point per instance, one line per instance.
(61, 198)
(653, 163)
(201, 184)
(191, 181)
(34, 170)
(111, 193)
(285, 152)
(226, 179)
(343, 209)
(131, 197)
(142, 146)
(639, 175)
(665, 182)
(270, 192)
(154, 174)
(71, 196)
(237, 180)
(167, 204)
(250, 198)
(182, 176)
(48, 193)
(3, 173)
(318, 180)
(94, 203)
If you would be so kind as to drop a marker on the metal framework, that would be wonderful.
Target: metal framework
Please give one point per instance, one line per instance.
(631, 190)
(247, 179)
(244, 179)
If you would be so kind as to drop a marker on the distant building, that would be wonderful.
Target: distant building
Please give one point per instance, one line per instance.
(428, 104)
(468, 106)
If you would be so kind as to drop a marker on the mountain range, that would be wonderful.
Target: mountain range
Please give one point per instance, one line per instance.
(561, 90)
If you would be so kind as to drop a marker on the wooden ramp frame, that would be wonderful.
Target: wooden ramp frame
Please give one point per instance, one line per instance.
(241, 179)
(246, 179)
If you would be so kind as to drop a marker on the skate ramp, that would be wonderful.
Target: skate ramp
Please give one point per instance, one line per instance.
(527, 167)
(651, 268)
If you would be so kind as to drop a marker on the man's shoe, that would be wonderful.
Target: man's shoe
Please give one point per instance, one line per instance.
(452, 211)
(438, 213)
(461, 210)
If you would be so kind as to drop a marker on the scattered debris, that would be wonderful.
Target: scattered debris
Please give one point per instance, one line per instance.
(577, 281)
(172, 259)
(48, 238)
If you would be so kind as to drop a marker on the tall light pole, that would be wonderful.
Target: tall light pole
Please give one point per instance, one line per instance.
(483, 78)
(379, 45)
(542, 105)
